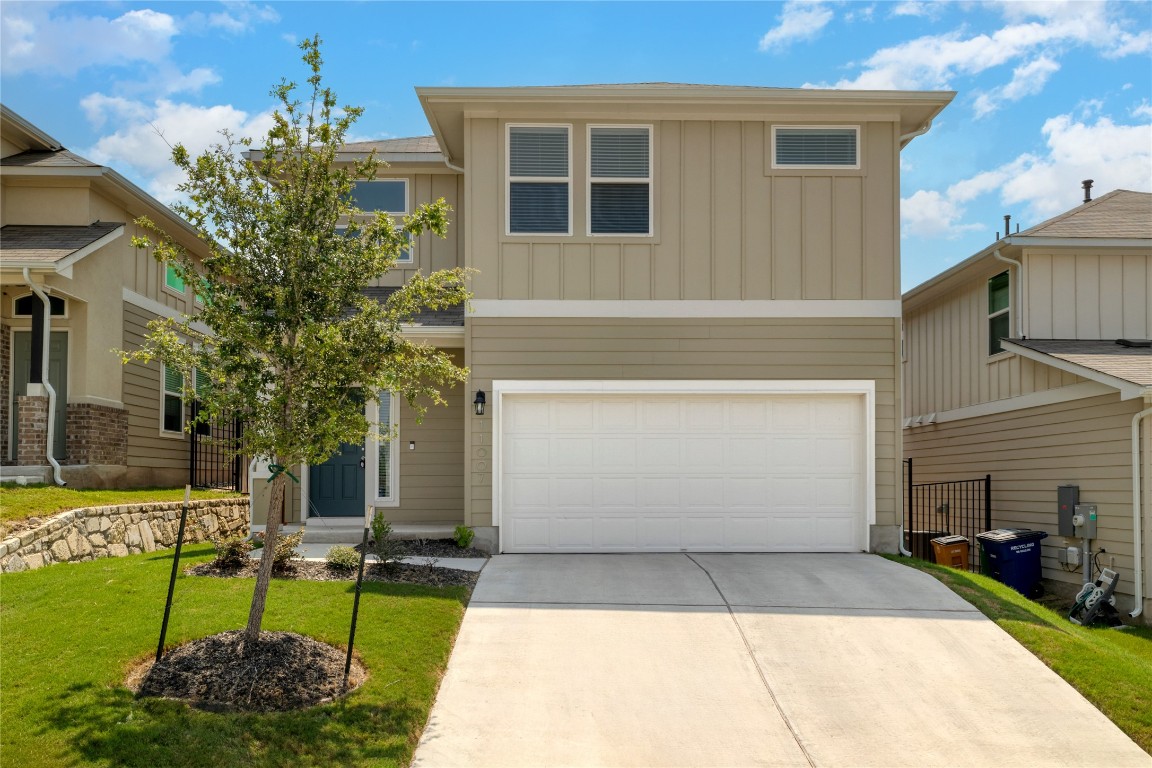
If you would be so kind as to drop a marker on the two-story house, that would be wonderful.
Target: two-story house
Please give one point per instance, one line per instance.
(685, 333)
(1030, 361)
(66, 226)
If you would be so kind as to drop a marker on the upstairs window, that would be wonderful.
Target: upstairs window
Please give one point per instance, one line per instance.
(172, 279)
(387, 195)
(815, 147)
(999, 314)
(619, 180)
(539, 179)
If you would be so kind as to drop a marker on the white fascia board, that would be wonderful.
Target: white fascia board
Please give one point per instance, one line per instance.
(436, 336)
(51, 170)
(156, 308)
(1080, 242)
(705, 308)
(1128, 389)
(863, 387)
(1067, 394)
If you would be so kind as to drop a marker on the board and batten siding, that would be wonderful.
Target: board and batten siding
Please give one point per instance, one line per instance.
(431, 482)
(429, 252)
(149, 453)
(1088, 294)
(947, 365)
(628, 349)
(725, 224)
(1029, 453)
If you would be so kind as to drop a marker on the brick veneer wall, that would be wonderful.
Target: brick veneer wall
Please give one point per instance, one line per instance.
(97, 434)
(32, 417)
(5, 384)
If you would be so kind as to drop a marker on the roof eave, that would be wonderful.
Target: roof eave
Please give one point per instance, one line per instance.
(1128, 389)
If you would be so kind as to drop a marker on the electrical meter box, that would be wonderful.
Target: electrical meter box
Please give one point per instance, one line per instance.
(1067, 497)
(1084, 521)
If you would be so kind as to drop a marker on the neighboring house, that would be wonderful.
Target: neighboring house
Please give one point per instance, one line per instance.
(686, 323)
(67, 225)
(1014, 367)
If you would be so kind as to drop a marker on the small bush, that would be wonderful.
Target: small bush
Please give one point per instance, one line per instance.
(383, 545)
(286, 544)
(341, 558)
(464, 536)
(232, 551)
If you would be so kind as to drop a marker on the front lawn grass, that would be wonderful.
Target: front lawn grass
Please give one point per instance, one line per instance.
(1112, 668)
(18, 502)
(70, 632)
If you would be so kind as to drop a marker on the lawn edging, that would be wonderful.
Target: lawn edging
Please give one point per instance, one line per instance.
(116, 531)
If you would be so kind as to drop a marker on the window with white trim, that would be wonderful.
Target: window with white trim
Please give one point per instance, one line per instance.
(172, 412)
(30, 304)
(539, 180)
(999, 312)
(388, 196)
(172, 279)
(620, 180)
(823, 146)
(387, 453)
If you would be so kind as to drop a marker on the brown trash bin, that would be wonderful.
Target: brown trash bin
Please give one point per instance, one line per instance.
(951, 551)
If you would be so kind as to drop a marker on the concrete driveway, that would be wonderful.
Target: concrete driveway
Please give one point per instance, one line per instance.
(746, 660)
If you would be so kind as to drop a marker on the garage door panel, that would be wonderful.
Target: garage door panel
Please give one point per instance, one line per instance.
(682, 472)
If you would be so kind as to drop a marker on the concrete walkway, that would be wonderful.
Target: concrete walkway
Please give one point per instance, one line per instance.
(746, 660)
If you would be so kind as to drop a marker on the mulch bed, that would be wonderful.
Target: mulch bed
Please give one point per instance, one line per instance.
(433, 548)
(285, 671)
(396, 573)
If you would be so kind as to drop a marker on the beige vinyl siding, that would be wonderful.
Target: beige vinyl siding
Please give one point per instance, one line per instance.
(144, 275)
(429, 252)
(619, 349)
(726, 225)
(146, 447)
(431, 482)
(947, 363)
(1032, 451)
(1088, 294)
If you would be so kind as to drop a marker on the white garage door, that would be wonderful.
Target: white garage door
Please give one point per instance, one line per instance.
(675, 472)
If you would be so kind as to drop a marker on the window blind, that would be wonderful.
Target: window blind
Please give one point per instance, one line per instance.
(384, 475)
(816, 146)
(386, 195)
(538, 151)
(619, 153)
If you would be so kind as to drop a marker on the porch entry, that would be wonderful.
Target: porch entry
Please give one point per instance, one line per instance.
(336, 487)
(57, 376)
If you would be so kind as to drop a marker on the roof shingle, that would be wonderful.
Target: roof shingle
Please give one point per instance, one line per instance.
(1132, 364)
(1118, 214)
(49, 244)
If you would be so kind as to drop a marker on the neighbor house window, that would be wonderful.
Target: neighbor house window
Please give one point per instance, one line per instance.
(387, 195)
(172, 415)
(619, 180)
(387, 452)
(172, 279)
(815, 147)
(999, 315)
(539, 179)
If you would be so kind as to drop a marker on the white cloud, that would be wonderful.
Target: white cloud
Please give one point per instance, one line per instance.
(1038, 30)
(236, 18)
(1027, 80)
(916, 8)
(39, 38)
(142, 144)
(800, 20)
(1115, 156)
(861, 13)
(1143, 109)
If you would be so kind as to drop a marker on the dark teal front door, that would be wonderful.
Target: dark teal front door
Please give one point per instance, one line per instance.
(336, 487)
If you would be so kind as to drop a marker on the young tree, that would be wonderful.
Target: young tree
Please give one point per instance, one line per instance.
(293, 347)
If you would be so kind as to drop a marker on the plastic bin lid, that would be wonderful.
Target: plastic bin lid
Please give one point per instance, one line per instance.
(1011, 534)
(946, 540)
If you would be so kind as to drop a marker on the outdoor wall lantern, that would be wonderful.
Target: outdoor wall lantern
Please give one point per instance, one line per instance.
(478, 403)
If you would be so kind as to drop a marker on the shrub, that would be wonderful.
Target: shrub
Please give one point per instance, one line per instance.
(341, 558)
(383, 545)
(464, 536)
(286, 544)
(232, 551)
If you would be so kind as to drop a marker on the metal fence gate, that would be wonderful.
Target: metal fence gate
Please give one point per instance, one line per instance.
(213, 460)
(957, 507)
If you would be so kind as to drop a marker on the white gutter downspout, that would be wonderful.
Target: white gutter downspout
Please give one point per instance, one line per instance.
(44, 376)
(1137, 506)
(456, 168)
(918, 132)
(1019, 290)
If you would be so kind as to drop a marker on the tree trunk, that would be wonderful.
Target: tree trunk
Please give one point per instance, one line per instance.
(264, 576)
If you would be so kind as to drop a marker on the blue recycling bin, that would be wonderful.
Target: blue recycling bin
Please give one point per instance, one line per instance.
(1012, 557)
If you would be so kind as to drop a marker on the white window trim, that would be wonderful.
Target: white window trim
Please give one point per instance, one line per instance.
(866, 388)
(855, 128)
(531, 179)
(164, 393)
(629, 180)
(993, 315)
(26, 295)
(411, 259)
(372, 457)
(169, 289)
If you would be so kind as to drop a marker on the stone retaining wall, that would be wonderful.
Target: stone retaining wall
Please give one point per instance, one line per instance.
(127, 529)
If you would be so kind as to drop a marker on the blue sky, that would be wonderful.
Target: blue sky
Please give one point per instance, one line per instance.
(1049, 93)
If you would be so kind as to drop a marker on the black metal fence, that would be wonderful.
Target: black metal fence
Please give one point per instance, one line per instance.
(212, 460)
(957, 507)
